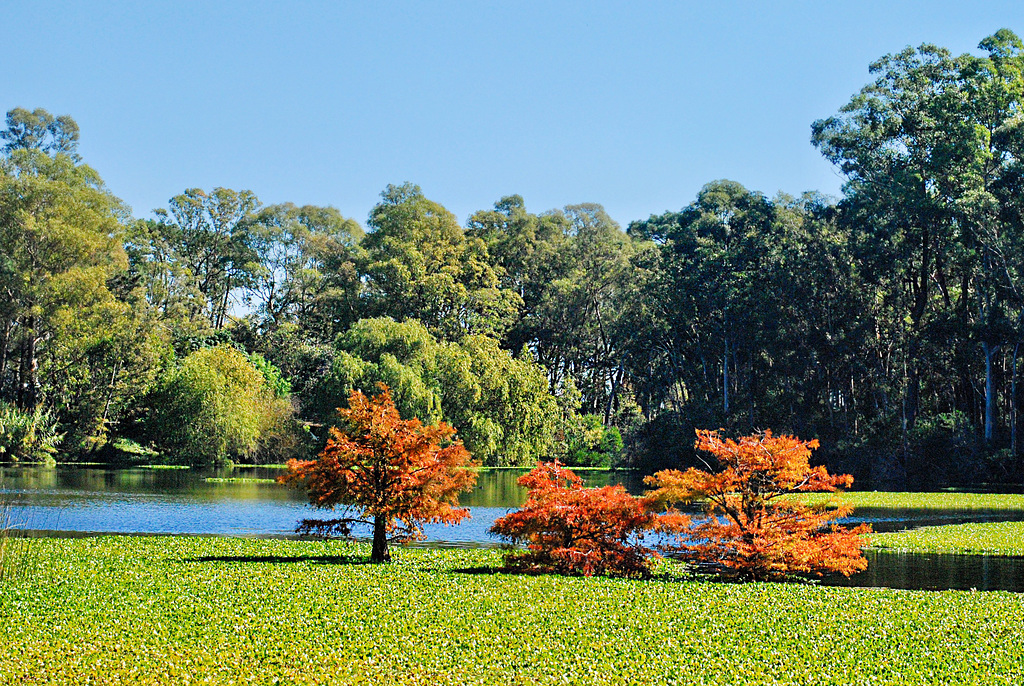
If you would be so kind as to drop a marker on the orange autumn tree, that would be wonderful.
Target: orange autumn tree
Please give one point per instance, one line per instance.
(570, 529)
(754, 527)
(391, 474)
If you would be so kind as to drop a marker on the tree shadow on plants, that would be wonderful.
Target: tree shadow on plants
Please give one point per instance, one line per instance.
(539, 571)
(688, 574)
(501, 569)
(284, 559)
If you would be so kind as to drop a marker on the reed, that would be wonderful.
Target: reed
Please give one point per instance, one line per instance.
(15, 541)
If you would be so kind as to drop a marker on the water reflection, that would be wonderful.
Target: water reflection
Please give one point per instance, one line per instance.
(937, 571)
(498, 487)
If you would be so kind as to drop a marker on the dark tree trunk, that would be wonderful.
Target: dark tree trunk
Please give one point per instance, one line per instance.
(990, 391)
(380, 552)
(28, 381)
(610, 405)
(911, 396)
(5, 344)
(1013, 403)
(725, 379)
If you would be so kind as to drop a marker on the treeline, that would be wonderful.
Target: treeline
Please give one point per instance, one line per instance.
(886, 323)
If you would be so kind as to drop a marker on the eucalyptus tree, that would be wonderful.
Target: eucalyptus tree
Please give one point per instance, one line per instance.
(746, 314)
(581, 309)
(705, 283)
(209, 239)
(40, 130)
(70, 323)
(886, 140)
(988, 187)
(59, 230)
(531, 251)
(304, 269)
(420, 264)
(930, 151)
(572, 269)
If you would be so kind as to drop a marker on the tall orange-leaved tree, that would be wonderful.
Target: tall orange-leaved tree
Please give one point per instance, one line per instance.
(389, 473)
(755, 527)
(570, 529)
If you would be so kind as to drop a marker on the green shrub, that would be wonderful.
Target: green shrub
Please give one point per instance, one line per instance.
(589, 443)
(217, 406)
(27, 435)
(272, 375)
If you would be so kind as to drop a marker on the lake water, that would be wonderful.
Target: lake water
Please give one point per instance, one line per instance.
(80, 500)
(166, 501)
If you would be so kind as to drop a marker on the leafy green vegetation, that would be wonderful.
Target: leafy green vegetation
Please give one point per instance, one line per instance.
(945, 500)
(213, 610)
(989, 538)
(27, 435)
(589, 443)
(217, 406)
(130, 448)
(500, 404)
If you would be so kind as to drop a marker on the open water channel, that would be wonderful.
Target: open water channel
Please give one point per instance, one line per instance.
(242, 502)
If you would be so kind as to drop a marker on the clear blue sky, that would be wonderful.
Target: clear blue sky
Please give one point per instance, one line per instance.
(632, 105)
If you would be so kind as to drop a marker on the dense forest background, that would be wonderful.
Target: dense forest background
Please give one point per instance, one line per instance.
(886, 323)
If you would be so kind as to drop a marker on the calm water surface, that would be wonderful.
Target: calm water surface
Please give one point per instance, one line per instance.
(166, 501)
(173, 501)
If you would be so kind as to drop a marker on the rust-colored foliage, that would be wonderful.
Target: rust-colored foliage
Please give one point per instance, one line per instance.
(570, 529)
(753, 528)
(396, 474)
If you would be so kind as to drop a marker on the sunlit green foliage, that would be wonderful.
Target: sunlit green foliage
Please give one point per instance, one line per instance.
(589, 443)
(945, 500)
(207, 245)
(40, 130)
(304, 269)
(58, 248)
(421, 265)
(216, 406)
(224, 611)
(989, 538)
(71, 337)
(27, 434)
(500, 404)
(886, 323)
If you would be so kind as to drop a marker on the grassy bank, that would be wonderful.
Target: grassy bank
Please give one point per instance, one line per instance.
(186, 610)
(990, 538)
(945, 500)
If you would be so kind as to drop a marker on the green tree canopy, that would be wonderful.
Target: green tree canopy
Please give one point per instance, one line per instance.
(304, 269)
(200, 252)
(499, 404)
(216, 406)
(59, 248)
(420, 264)
(40, 130)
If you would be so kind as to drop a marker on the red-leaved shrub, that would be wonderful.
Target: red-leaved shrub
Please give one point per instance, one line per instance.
(755, 526)
(570, 529)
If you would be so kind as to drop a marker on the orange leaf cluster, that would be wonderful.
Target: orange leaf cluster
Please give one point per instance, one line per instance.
(398, 474)
(753, 528)
(570, 529)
